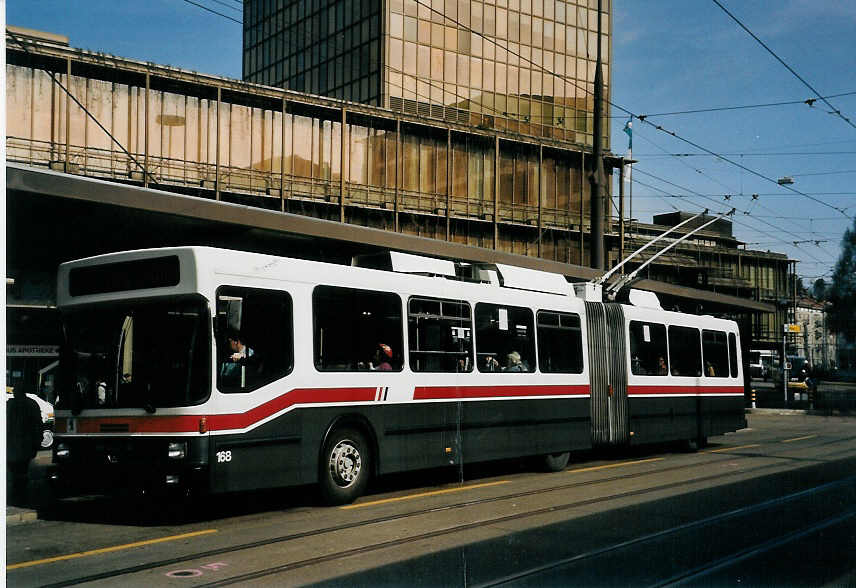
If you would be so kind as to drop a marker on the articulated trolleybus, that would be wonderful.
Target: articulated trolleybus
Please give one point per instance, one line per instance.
(219, 370)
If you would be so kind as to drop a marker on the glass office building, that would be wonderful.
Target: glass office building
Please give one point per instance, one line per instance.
(273, 148)
(524, 66)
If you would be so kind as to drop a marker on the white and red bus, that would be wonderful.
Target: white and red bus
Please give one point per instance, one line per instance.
(221, 370)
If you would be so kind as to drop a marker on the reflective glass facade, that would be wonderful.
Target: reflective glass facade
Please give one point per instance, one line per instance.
(526, 66)
(329, 48)
(522, 65)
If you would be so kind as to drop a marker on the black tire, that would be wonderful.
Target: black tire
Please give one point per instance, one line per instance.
(555, 462)
(345, 466)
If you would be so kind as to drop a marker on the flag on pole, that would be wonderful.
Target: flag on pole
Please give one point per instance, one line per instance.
(628, 128)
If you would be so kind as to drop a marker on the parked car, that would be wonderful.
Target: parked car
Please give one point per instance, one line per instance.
(797, 373)
(47, 410)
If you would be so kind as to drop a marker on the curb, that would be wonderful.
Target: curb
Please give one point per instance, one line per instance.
(782, 411)
(20, 518)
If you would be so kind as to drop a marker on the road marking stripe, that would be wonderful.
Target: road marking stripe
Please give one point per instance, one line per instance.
(615, 465)
(38, 562)
(724, 449)
(423, 494)
(799, 438)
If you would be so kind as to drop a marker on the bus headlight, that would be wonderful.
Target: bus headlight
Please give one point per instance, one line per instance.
(62, 451)
(177, 450)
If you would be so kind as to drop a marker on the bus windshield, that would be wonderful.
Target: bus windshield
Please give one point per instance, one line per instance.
(136, 355)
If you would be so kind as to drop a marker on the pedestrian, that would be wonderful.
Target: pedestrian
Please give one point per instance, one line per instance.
(23, 439)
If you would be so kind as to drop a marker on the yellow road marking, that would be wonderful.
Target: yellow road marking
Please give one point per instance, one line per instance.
(799, 438)
(423, 494)
(724, 449)
(39, 562)
(615, 465)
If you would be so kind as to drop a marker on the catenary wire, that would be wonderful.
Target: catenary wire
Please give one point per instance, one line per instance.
(628, 112)
(712, 199)
(211, 10)
(574, 83)
(734, 220)
(743, 106)
(788, 67)
(229, 6)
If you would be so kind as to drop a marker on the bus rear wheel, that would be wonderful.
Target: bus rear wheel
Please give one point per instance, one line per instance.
(344, 467)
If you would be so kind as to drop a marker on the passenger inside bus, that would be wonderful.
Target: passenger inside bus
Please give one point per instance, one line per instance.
(513, 363)
(382, 357)
(238, 356)
(380, 360)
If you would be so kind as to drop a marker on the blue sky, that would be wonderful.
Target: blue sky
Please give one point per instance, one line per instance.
(668, 56)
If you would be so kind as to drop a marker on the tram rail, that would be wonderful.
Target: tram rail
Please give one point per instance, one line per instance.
(364, 523)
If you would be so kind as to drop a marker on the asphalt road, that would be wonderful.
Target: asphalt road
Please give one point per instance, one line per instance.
(769, 505)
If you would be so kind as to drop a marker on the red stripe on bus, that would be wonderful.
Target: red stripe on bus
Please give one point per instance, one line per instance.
(446, 392)
(684, 390)
(219, 422)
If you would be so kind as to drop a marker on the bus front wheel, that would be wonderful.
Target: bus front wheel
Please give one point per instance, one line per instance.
(345, 466)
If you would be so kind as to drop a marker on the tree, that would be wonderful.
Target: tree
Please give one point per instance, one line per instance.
(820, 289)
(842, 292)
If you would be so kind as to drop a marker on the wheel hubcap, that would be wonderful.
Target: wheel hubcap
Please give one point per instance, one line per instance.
(345, 463)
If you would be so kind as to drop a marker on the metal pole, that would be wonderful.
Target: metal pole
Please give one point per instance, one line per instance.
(282, 157)
(582, 210)
(217, 154)
(342, 168)
(146, 134)
(397, 164)
(785, 366)
(597, 222)
(540, 195)
(496, 184)
(67, 114)
(621, 213)
(449, 163)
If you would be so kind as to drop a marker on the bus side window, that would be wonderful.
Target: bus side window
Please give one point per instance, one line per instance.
(440, 335)
(685, 351)
(648, 355)
(254, 336)
(356, 330)
(560, 343)
(505, 338)
(732, 354)
(715, 350)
